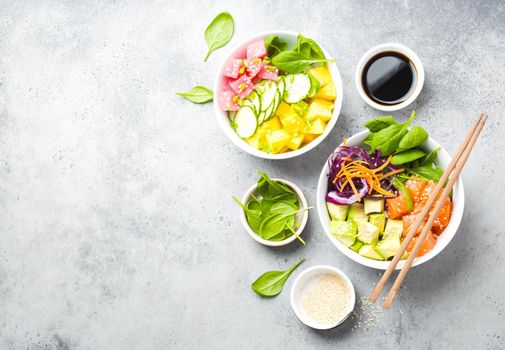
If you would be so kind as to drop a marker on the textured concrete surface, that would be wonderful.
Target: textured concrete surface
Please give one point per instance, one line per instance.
(117, 228)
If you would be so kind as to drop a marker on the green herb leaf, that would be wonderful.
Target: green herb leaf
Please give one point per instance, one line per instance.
(378, 123)
(416, 136)
(219, 32)
(427, 172)
(388, 139)
(314, 86)
(271, 283)
(431, 157)
(407, 156)
(309, 48)
(274, 45)
(293, 62)
(400, 186)
(198, 94)
(253, 216)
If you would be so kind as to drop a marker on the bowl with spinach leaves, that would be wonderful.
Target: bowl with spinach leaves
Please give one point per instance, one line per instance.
(274, 212)
(394, 168)
(278, 94)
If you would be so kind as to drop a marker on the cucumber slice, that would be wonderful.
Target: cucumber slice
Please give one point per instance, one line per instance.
(246, 122)
(231, 115)
(269, 95)
(261, 117)
(281, 86)
(297, 87)
(271, 111)
(254, 100)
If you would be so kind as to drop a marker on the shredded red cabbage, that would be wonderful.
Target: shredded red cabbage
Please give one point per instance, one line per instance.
(347, 196)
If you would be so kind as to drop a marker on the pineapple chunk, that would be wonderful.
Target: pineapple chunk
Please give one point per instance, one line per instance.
(309, 138)
(277, 140)
(327, 92)
(292, 123)
(316, 127)
(283, 109)
(296, 141)
(272, 124)
(257, 140)
(319, 109)
(322, 74)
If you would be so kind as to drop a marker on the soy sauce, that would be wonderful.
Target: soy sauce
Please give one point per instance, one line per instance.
(389, 78)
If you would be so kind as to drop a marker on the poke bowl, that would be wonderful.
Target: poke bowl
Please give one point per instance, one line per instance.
(272, 107)
(374, 247)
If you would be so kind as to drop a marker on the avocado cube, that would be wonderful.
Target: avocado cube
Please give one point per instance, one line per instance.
(357, 213)
(393, 228)
(368, 251)
(357, 245)
(344, 231)
(374, 205)
(388, 246)
(337, 212)
(367, 232)
(378, 220)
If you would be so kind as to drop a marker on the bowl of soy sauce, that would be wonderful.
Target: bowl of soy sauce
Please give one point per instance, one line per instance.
(389, 77)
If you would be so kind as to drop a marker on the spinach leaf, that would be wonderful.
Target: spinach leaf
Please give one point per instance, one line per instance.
(219, 32)
(271, 283)
(400, 186)
(388, 139)
(271, 189)
(253, 216)
(274, 224)
(253, 204)
(427, 172)
(314, 86)
(378, 123)
(407, 156)
(308, 48)
(293, 62)
(292, 231)
(274, 45)
(284, 207)
(413, 138)
(430, 157)
(198, 94)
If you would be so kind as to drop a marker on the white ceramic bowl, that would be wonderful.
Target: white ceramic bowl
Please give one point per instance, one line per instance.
(304, 282)
(301, 217)
(383, 48)
(222, 117)
(442, 241)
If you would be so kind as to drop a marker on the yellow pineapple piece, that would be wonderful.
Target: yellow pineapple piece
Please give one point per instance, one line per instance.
(272, 124)
(283, 109)
(316, 126)
(292, 123)
(307, 138)
(319, 109)
(277, 140)
(327, 92)
(296, 141)
(322, 74)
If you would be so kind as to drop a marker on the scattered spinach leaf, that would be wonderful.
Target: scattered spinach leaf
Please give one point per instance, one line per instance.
(416, 136)
(198, 94)
(407, 156)
(430, 157)
(219, 32)
(271, 283)
(388, 139)
(427, 172)
(378, 123)
(274, 45)
(293, 62)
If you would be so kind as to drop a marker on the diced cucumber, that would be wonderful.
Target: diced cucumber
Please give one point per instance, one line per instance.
(246, 122)
(297, 87)
(357, 245)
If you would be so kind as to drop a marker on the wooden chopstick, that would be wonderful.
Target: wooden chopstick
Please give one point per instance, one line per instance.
(454, 164)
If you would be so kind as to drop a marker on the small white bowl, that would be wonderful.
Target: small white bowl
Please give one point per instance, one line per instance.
(301, 217)
(305, 281)
(384, 48)
(222, 116)
(443, 240)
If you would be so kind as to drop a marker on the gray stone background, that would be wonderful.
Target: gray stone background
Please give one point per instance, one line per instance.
(117, 228)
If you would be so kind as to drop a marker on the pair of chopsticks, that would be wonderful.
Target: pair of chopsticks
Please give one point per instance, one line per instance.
(453, 170)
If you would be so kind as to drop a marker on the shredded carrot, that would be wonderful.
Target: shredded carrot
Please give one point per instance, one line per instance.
(376, 170)
(391, 173)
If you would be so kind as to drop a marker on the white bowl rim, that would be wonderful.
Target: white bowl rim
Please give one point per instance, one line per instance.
(228, 131)
(257, 237)
(316, 270)
(390, 47)
(448, 234)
